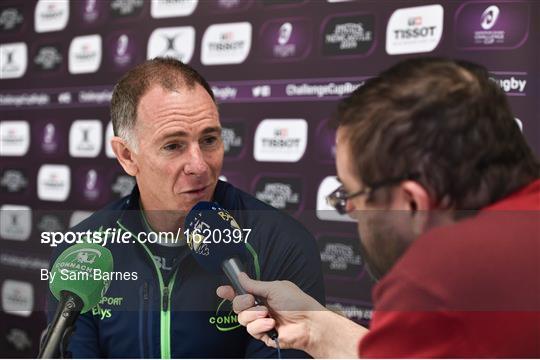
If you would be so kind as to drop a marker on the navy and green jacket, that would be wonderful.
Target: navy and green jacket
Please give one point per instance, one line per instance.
(183, 317)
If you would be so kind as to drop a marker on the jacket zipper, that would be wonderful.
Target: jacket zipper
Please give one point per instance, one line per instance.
(165, 313)
(144, 316)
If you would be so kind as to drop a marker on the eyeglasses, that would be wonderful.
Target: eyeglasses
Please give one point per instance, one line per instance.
(338, 198)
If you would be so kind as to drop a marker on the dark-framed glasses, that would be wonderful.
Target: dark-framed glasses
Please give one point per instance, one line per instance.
(339, 197)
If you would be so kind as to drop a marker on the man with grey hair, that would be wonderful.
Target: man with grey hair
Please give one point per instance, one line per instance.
(168, 136)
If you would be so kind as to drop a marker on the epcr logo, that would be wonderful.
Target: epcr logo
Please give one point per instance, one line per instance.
(85, 256)
(489, 17)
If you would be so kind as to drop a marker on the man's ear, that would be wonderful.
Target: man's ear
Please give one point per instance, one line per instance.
(124, 155)
(415, 198)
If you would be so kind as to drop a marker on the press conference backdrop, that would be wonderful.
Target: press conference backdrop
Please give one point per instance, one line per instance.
(277, 69)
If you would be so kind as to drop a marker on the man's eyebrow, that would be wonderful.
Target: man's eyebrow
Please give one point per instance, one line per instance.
(212, 129)
(179, 133)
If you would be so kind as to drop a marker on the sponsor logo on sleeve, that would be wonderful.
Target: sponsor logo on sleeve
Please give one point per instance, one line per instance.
(325, 211)
(17, 297)
(176, 42)
(285, 39)
(172, 8)
(13, 60)
(85, 137)
(282, 193)
(348, 35)
(226, 43)
(14, 138)
(484, 26)
(414, 30)
(11, 19)
(85, 54)
(51, 15)
(54, 182)
(280, 140)
(16, 222)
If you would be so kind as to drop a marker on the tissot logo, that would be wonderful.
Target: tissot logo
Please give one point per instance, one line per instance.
(176, 42)
(281, 140)
(340, 256)
(126, 8)
(14, 138)
(226, 43)
(17, 297)
(51, 15)
(233, 135)
(122, 185)
(13, 181)
(85, 54)
(414, 30)
(11, 19)
(281, 193)
(13, 60)
(348, 35)
(325, 211)
(85, 138)
(171, 8)
(54, 182)
(16, 222)
(48, 58)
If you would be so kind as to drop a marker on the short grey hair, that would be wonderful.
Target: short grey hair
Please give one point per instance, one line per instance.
(169, 73)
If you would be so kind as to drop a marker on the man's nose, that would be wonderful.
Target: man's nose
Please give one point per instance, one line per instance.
(196, 164)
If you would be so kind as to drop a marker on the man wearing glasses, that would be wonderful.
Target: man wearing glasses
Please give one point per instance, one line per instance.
(446, 194)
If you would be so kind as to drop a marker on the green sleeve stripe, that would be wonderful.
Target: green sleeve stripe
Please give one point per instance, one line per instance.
(255, 260)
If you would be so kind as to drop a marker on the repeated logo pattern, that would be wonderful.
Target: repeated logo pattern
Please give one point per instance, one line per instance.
(277, 69)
